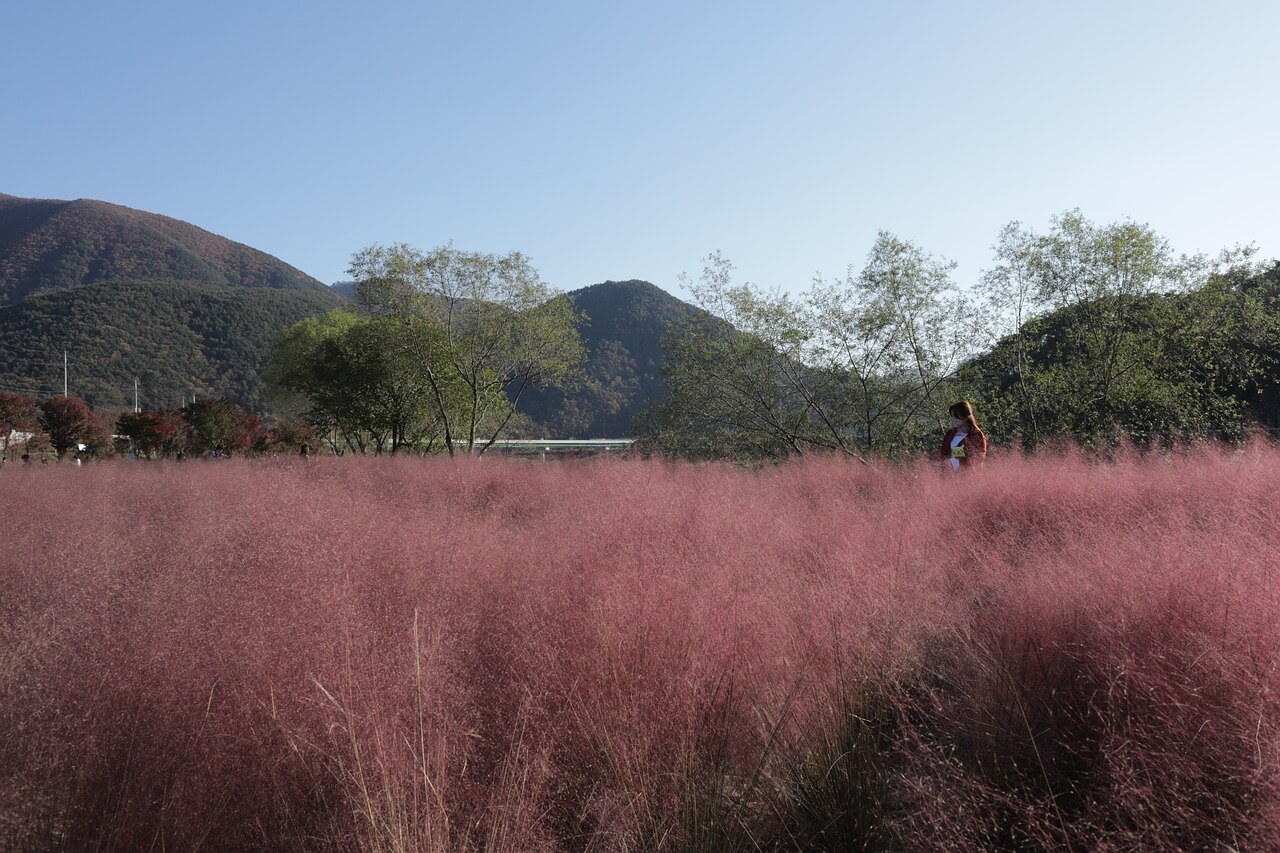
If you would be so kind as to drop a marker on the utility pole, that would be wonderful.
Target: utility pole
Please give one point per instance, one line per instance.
(135, 396)
(64, 374)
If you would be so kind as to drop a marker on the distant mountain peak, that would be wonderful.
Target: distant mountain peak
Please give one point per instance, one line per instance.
(48, 244)
(630, 284)
(626, 321)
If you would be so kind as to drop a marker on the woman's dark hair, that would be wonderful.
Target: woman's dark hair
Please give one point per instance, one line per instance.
(964, 411)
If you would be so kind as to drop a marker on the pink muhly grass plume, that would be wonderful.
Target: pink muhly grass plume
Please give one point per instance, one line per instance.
(395, 654)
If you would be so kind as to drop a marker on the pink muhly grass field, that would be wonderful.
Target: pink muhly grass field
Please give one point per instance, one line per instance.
(403, 654)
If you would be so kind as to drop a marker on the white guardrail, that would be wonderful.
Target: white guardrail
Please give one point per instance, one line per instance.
(542, 447)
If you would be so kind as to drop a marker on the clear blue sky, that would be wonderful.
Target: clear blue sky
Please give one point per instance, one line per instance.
(628, 140)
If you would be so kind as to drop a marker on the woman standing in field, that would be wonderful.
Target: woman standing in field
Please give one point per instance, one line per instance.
(964, 445)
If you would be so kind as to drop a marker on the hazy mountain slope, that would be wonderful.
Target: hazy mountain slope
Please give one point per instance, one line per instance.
(346, 289)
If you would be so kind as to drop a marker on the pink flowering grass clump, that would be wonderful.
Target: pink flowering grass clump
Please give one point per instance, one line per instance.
(400, 654)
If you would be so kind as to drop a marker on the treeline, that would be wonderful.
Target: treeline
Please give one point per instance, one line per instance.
(65, 427)
(1088, 332)
(1093, 333)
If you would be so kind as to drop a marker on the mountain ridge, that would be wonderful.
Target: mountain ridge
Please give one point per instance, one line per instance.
(626, 321)
(48, 244)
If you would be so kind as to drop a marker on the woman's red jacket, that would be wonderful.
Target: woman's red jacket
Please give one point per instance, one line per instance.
(975, 447)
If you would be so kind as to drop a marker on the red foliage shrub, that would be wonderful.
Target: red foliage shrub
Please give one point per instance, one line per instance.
(409, 654)
(69, 421)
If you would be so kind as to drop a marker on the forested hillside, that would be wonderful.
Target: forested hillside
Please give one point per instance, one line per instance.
(175, 337)
(623, 332)
(1202, 362)
(1088, 332)
(134, 295)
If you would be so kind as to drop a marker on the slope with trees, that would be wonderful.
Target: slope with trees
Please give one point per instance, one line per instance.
(1103, 330)
(134, 295)
(175, 337)
(622, 330)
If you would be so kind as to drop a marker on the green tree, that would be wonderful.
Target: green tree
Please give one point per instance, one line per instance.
(369, 376)
(221, 426)
(893, 335)
(855, 365)
(481, 329)
(293, 376)
(1099, 327)
(1262, 397)
(737, 382)
(359, 381)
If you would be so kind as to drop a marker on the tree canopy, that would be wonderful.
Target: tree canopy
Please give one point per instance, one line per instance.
(451, 342)
(69, 422)
(1087, 331)
(854, 365)
(492, 328)
(1100, 330)
(356, 380)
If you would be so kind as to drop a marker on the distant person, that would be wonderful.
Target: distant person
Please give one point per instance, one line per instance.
(304, 450)
(965, 445)
(26, 459)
